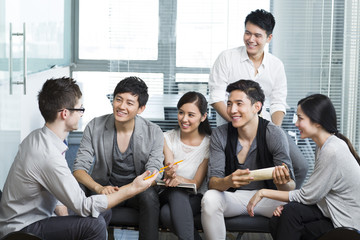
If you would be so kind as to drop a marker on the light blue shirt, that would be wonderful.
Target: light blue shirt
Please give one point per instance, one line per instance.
(38, 177)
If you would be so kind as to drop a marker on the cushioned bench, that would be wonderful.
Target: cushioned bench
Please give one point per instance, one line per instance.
(128, 218)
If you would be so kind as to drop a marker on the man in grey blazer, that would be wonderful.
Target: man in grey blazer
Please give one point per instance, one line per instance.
(116, 148)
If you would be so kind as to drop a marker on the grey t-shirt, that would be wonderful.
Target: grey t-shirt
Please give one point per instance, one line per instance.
(277, 144)
(123, 169)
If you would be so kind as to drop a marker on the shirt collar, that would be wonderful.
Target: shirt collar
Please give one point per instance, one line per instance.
(244, 56)
(58, 143)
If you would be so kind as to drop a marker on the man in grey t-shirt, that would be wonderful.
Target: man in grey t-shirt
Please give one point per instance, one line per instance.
(248, 142)
(117, 147)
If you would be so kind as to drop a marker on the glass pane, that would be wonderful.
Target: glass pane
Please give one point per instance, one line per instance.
(120, 30)
(205, 28)
(96, 93)
(192, 82)
(44, 26)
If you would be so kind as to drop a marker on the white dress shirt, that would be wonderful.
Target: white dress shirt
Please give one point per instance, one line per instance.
(234, 64)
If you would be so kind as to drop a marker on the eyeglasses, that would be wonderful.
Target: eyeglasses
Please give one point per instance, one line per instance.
(81, 110)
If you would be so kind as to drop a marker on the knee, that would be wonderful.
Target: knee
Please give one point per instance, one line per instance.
(149, 198)
(165, 215)
(177, 195)
(211, 202)
(96, 226)
(289, 211)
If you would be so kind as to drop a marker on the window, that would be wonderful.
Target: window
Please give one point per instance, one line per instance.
(177, 41)
(172, 44)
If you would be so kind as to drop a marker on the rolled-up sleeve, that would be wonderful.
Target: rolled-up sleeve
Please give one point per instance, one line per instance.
(217, 152)
(218, 80)
(156, 156)
(278, 145)
(278, 94)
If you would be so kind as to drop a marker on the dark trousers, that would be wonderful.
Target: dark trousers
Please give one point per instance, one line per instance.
(299, 221)
(178, 211)
(148, 205)
(71, 227)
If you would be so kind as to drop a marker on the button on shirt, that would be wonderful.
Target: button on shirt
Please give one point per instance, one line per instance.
(38, 177)
(234, 64)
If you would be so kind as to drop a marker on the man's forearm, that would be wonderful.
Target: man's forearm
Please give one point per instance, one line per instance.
(220, 108)
(125, 192)
(287, 187)
(277, 117)
(220, 184)
(84, 178)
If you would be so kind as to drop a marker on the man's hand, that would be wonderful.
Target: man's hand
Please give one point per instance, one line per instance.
(240, 178)
(61, 210)
(106, 189)
(140, 184)
(281, 175)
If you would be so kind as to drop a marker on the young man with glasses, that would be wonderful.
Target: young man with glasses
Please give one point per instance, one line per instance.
(39, 176)
(120, 146)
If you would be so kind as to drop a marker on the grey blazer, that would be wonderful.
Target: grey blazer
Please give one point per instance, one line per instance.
(96, 147)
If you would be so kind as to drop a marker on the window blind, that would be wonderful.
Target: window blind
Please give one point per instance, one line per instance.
(172, 45)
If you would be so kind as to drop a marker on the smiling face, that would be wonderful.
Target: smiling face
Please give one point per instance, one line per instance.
(240, 109)
(189, 117)
(255, 39)
(126, 106)
(307, 128)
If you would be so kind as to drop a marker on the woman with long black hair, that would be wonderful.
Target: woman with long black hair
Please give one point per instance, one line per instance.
(331, 196)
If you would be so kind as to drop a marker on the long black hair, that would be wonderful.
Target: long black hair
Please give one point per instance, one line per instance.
(320, 109)
(200, 101)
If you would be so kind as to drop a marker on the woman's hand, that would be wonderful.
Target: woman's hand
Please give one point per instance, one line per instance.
(253, 201)
(278, 211)
(173, 182)
(170, 171)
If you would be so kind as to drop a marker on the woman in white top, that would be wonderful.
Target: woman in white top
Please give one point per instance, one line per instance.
(331, 196)
(190, 143)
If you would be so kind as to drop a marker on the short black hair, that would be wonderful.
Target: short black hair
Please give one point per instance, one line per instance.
(134, 85)
(251, 88)
(57, 94)
(263, 19)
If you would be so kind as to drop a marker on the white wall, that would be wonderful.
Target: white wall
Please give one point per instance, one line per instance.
(29, 116)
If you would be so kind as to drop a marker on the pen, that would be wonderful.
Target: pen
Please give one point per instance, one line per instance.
(162, 169)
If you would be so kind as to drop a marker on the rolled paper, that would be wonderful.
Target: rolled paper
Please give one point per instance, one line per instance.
(262, 174)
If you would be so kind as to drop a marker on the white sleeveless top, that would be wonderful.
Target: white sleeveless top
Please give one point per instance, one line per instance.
(193, 156)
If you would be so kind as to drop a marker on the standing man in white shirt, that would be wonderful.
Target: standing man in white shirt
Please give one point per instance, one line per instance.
(251, 62)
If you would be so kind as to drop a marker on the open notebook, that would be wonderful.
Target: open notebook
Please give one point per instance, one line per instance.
(191, 187)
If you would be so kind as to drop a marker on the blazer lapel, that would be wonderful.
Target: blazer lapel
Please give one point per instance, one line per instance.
(137, 145)
(108, 137)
